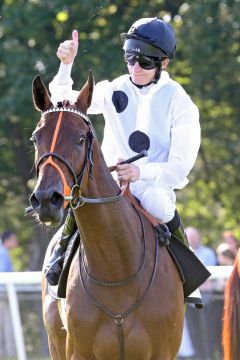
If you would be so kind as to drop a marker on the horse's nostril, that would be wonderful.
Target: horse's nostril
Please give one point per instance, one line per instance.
(34, 202)
(57, 200)
(42, 200)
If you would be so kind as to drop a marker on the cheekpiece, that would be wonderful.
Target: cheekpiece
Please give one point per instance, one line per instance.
(66, 109)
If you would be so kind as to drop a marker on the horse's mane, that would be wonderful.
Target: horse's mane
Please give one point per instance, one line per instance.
(231, 317)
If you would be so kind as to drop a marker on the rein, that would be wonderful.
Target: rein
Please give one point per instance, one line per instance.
(77, 200)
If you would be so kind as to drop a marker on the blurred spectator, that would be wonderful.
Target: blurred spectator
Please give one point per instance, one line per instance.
(226, 254)
(226, 257)
(231, 240)
(9, 242)
(204, 253)
(198, 332)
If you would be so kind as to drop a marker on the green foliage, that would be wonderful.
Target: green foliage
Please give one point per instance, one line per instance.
(210, 42)
(207, 65)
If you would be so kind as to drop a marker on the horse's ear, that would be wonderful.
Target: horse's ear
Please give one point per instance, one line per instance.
(40, 95)
(85, 97)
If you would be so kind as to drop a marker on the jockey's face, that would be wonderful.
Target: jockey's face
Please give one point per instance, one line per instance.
(142, 76)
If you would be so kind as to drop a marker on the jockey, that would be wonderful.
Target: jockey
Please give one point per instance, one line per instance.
(145, 103)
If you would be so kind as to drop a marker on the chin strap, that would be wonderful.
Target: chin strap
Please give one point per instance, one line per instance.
(158, 74)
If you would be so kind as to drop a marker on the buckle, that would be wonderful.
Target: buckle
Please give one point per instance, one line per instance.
(163, 234)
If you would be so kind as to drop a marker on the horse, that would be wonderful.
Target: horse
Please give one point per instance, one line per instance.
(124, 296)
(231, 317)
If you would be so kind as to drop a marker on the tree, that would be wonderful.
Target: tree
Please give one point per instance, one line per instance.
(209, 41)
(206, 64)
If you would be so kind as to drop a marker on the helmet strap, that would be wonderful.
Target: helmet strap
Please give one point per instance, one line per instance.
(158, 74)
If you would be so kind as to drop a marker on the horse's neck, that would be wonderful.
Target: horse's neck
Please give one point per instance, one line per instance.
(111, 233)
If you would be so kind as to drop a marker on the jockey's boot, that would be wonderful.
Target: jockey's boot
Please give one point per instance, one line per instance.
(54, 267)
(176, 228)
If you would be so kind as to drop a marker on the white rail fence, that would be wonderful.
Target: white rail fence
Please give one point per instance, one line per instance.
(12, 281)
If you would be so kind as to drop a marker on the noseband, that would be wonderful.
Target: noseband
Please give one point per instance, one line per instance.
(51, 154)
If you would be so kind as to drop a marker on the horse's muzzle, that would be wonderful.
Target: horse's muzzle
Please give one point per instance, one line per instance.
(49, 205)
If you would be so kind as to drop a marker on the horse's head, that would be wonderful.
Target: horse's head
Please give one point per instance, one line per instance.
(63, 145)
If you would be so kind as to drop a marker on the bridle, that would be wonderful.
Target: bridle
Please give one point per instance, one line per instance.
(51, 155)
(73, 194)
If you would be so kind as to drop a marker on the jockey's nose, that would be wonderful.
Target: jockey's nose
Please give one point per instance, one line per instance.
(49, 198)
(137, 66)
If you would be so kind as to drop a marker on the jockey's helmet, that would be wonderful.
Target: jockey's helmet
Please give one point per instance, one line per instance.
(150, 37)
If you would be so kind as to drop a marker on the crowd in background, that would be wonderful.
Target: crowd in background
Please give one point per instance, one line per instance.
(203, 328)
(224, 254)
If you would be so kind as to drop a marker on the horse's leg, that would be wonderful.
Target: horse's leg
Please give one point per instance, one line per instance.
(54, 326)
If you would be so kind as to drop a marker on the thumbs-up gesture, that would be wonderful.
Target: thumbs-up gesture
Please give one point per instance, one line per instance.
(68, 49)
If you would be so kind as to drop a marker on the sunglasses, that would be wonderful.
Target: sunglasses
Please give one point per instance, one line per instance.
(145, 62)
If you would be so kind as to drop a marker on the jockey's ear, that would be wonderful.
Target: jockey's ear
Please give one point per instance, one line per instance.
(85, 97)
(40, 95)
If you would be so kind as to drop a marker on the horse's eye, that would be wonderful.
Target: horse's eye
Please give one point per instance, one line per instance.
(81, 140)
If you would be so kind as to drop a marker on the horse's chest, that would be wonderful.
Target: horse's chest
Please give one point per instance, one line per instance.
(98, 337)
(94, 334)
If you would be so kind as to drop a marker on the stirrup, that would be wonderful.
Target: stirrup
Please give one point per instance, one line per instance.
(195, 298)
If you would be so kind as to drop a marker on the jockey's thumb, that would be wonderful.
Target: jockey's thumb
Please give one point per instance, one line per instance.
(75, 38)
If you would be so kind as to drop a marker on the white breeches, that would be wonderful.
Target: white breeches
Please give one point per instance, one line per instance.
(159, 202)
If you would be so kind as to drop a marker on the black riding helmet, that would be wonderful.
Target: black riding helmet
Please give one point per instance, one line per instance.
(150, 37)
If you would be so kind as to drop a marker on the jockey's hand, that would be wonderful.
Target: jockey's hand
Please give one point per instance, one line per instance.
(68, 49)
(127, 172)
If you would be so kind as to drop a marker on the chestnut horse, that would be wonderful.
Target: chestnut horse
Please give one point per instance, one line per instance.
(124, 296)
(231, 319)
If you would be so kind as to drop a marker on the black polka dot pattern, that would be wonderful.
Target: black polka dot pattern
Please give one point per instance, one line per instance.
(120, 101)
(139, 141)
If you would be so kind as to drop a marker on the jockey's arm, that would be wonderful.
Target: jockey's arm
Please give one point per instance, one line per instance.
(185, 143)
(61, 85)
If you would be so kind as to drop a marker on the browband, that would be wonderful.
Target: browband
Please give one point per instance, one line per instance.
(66, 109)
